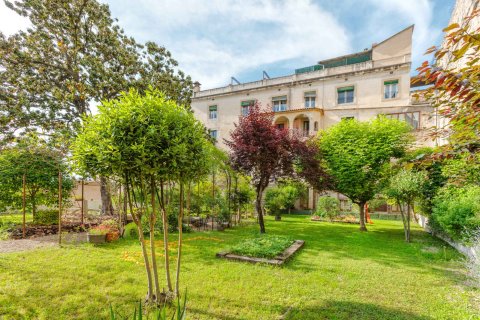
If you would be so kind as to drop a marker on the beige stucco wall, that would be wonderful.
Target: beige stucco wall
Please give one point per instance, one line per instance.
(91, 195)
(391, 60)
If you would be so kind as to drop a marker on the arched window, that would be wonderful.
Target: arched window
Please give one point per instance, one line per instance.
(315, 126)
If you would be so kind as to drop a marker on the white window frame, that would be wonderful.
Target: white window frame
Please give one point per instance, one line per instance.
(213, 114)
(310, 99)
(346, 102)
(387, 88)
(278, 104)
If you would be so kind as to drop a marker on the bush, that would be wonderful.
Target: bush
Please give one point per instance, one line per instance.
(46, 217)
(456, 211)
(279, 199)
(265, 246)
(328, 207)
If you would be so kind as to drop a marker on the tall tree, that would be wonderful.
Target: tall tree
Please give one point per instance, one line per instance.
(262, 151)
(73, 56)
(356, 155)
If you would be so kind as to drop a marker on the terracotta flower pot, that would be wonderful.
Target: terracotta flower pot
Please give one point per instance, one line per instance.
(112, 236)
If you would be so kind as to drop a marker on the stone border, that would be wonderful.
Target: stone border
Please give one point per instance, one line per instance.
(277, 261)
(337, 221)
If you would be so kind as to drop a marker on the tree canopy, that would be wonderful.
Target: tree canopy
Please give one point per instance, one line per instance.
(356, 155)
(262, 151)
(75, 54)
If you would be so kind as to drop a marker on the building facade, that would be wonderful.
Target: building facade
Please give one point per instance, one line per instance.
(362, 85)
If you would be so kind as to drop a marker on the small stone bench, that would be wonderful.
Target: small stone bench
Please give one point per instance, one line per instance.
(277, 261)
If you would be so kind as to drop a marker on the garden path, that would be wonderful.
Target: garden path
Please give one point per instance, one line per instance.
(10, 246)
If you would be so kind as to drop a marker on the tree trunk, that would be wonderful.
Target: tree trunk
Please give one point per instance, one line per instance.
(404, 221)
(408, 223)
(180, 233)
(107, 207)
(258, 204)
(363, 227)
(138, 223)
(152, 220)
(165, 238)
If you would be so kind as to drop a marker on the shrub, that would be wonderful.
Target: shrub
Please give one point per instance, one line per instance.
(328, 207)
(456, 211)
(265, 246)
(281, 198)
(46, 217)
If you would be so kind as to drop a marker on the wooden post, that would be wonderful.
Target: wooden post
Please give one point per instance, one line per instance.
(23, 203)
(59, 207)
(83, 201)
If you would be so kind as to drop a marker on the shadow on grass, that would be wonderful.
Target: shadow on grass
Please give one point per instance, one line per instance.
(339, 310)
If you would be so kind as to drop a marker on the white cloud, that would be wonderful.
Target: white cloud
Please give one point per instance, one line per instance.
(213, 40)
(10, 21)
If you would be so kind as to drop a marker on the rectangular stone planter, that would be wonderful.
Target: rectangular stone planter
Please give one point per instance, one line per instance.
(277, 261)
(96, 238)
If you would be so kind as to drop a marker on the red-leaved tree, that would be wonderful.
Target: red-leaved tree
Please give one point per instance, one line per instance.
(262, 151)
(308, 165)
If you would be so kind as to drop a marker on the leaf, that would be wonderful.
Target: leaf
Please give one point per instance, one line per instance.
(451, 27)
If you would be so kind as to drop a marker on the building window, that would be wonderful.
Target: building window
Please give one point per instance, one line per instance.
(310, 99)
(315, 126)
(412, 118)
(279, 103)
(345, 94)
(212, 112)
(306, 128)
(390, 89)
(213, 134)
(281, 126)
(246, 105)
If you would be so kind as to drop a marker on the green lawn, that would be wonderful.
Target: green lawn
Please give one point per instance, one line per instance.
(339, 274)
(15, 218)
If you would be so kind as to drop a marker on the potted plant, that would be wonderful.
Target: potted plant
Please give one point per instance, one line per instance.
(113, 231)
(97, 234)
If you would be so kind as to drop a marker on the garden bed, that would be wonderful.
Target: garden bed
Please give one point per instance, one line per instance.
(277, 260)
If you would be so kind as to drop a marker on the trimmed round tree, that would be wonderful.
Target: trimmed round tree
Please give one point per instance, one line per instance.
(356, 155)
(144, 141)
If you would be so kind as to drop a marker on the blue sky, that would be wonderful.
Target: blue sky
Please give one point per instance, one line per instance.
(216, 39)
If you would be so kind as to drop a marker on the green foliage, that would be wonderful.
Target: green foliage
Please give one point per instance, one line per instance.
(282, 197)
(75, 53)
(263, 246)
(405, 186)
(463, 169)
(357, 154)
(40, 164)
(328, 207)
(457, 210)
(157, 314)
(46, 217)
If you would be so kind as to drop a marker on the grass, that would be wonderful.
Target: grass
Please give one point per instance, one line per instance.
(16, 218)
(262, 246)
(341, 273)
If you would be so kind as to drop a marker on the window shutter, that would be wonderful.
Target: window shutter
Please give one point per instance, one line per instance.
(310, 94)
(351, 88)
(390, 82)
(279, 98)
(247, 103)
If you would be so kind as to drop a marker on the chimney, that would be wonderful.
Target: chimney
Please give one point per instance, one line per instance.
(196, 87)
